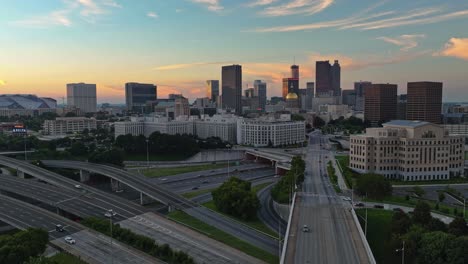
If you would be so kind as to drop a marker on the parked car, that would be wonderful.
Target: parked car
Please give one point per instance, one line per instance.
(378, 206)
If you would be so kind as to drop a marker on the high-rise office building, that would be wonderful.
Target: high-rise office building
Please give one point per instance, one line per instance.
(401, 106)
(348, 97)
(290, 85)
(327, 79)
(212, 90)
(137, 94)
(232, 88)
(424, 102)
(82, 96)
(310, 86)
(181, 107)
(249, 92)
(380, 103)
(359, 91)
(295, 71)
(260, 90)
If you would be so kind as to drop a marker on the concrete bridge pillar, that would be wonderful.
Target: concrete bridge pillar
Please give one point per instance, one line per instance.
(20, 174)
(115, 185)
(84, 176)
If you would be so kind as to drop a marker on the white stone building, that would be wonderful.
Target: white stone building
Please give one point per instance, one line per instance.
(408, 150)
(270, 132)
(222, 126)
(68, 125)
(148, 125)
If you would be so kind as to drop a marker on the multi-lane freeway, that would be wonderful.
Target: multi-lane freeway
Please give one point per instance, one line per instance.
(163, 194)
(90, 246)
(136, 217)
(331, 235)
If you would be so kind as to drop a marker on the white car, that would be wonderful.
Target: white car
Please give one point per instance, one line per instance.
(305, 229)
(347, 199)
(78, 186)
(110, 214)
(70, 240)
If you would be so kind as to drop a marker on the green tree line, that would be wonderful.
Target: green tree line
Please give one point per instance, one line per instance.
(287, 184)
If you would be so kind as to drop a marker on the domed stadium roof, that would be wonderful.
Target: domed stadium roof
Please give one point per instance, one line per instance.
(26, 101)
(291, 96)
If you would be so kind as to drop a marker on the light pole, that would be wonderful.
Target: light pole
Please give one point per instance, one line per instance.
(464, 206)
(229, 157)
(402, 253)
(111, 212)
(25, 153)
(147, 153)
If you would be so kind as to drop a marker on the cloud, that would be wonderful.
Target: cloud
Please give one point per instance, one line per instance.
(455, 47)
(178, 10)
(212, 5)
(406, 42)
(261, 3)
(367, 20)
(88, 10)
(188, 65)
(2, 82)
(152, 15)
(307, 7)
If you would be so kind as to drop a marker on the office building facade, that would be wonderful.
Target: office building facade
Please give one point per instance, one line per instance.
(260, 91)
(138, 94)
(424, 102)
(212, 90)
(359, 92)
(408, 150)
(232, 88)
(327, 79)
(83, 96)
(68, 125)
(380, 104)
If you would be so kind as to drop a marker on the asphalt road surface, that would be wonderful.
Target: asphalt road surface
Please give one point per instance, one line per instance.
(333, 236)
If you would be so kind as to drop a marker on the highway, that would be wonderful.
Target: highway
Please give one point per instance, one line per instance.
(95, 200)
(90, 246)
(333, 236)
(141, 183)
(267, 214)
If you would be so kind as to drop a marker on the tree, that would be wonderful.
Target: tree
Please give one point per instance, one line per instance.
(434, 247)
(422, 213)
(458, 227)
(401, 223)
(374, 186)
(412, 242)
(236, 198)
(436, 225)
(457, 252)
(318, 122)
(78, 149)
(441, 196)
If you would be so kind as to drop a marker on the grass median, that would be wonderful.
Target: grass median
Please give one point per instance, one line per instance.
(378, 233)
(162, 172)
(190, 195)
(222, 236)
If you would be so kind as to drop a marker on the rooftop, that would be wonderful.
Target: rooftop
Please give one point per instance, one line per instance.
(406, 123)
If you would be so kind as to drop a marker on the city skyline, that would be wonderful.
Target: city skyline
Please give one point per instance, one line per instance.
(113, 42)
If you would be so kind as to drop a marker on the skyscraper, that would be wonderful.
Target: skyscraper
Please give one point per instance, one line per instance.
(336, 78)
(212, 89)
(359, 91)
(82, 96)
(327, 79)
(232, 87)
(290, 85)
(424, 101)
(295, 71)
(260, 90)
(380, 103)
(137, 94)
(310, 86)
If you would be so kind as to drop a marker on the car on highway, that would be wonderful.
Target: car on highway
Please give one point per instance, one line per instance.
(70, 240)
(378, 206)
(305, 229)
(359, 204)
(346, 199)
(78, 186)
(206, 181)
(110, 214)
(164, 179)
(200, 175)
(195, 188)
(59, 228)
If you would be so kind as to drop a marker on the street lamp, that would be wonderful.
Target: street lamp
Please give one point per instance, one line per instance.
(402, 253)
(111, 213)
(147, 152)
(229, 157)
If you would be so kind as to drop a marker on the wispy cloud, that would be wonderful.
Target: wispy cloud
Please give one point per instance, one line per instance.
(152, 15)
(188, 65)
(293, 7)
(455, 47)
(406, 42)
(367, 20)
(261, 3)
(212, 5)
(88, 10)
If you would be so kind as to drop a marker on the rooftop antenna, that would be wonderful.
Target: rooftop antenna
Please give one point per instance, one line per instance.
(294, 60)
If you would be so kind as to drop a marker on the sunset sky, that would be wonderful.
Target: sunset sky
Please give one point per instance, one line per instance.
(178, 44)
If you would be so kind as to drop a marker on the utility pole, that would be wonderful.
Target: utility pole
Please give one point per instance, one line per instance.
(147, 153)
(402, 253)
